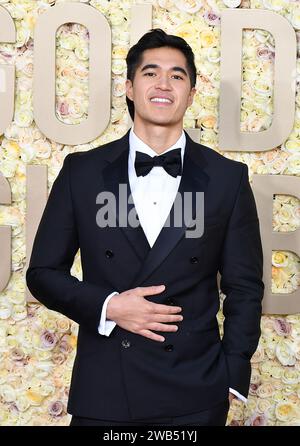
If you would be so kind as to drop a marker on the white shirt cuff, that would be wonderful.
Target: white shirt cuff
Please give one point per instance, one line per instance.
(106, 326)
(241, 397)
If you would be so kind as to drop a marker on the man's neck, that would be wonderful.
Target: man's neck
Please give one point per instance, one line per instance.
(159, 138)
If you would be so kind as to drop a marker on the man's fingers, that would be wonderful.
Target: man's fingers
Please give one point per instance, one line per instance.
(157, 308)
(150, 290)
(165, 309)
(167, 318)
(162, 327)
(149, 334)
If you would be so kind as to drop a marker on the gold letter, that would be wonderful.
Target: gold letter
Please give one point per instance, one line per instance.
(230, 136)
(264, 187)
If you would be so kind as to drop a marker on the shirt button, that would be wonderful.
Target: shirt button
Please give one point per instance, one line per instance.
(109, 254)
(126, 343)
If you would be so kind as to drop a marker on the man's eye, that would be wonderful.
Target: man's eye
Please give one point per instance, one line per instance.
(174, 75)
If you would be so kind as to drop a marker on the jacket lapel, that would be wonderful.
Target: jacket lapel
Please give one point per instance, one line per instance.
(115, 174)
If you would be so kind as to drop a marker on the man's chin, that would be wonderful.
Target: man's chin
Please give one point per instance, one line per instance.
(158, 120)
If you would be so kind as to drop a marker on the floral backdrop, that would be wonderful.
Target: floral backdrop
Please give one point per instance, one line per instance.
(37, 346)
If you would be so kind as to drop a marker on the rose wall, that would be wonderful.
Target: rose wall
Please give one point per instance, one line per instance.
(37, 346)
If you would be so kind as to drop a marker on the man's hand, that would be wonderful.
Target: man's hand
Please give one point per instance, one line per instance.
(134, 313)
(231, 397)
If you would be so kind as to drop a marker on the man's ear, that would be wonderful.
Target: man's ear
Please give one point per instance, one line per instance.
(191, 96)
(128, 85)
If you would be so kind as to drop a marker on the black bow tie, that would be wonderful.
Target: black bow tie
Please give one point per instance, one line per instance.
(170, 161)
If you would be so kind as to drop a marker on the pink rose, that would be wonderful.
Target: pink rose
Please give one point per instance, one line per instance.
(58, 358)
(265, 53)
(256, 420)
(63, 108)
(56, 408)
(49, 339)
(260, 420)
(64, 346)
(212, 18)
(253, 388)
(282, 327)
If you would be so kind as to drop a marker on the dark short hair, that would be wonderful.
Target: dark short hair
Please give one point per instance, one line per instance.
(157, 38)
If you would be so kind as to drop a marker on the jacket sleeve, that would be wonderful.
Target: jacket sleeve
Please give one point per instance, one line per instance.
(55, 246)
(241, 269)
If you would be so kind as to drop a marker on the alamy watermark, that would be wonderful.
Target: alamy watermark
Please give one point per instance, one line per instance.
(181, 213)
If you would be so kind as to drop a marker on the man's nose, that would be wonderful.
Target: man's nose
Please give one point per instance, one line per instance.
(163, 82)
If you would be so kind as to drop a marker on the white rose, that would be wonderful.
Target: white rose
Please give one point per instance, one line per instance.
(19, 312)
(42, 148)
(293, 164)
(263, 405)
(296, 19)
(118, 87)
(190, 6)
(291, 376)
(28, 153)
(291, 146)
(8, 393)
(3, 374)
(23, 117)
(23, 34)
(279, 166)
(285, 411)
(16, 297)
(265, 390)
(279, 259)
(68, 41)
(22, 403)
(8, 167)
(116, 15)
(258, 356)
(5, 309)
(285, 353)
(166, 4)
(119, 66)
(82, 51)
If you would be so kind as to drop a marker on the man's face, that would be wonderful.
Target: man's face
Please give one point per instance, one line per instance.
(162, 74)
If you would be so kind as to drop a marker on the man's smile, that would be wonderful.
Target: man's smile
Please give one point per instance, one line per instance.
(161, 101)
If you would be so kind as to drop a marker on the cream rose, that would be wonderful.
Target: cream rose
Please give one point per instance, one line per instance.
(285, 411)
(279, 259)
(285, 353)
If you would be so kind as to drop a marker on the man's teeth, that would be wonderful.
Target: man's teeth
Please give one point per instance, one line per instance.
(160, 100)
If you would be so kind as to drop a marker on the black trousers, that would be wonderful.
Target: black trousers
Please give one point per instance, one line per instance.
(216, 416)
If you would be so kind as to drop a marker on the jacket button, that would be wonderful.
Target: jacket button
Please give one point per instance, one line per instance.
(194, 260)
(125, 343)
(109, 254)
(169, 348)
(171, 301)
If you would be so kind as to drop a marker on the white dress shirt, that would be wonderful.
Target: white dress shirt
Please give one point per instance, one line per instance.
(153, 196)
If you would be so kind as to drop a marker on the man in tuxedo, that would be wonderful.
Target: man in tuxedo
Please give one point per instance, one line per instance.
(149, 349)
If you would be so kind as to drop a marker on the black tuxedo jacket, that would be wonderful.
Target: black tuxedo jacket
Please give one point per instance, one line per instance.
(128, 376)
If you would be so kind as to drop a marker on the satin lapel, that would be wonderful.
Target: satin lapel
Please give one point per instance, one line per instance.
(194, 179)
(114, 175)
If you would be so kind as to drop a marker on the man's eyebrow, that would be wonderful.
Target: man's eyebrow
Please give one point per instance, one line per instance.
(153, 65)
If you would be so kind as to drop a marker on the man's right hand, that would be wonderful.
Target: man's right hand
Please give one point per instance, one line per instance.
(134, 313)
